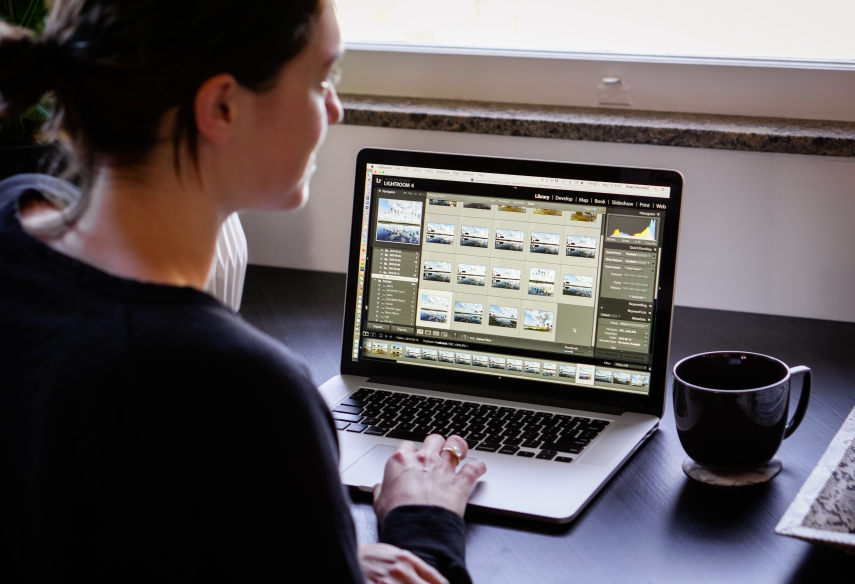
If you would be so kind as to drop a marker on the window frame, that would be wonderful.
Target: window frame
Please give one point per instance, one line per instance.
(796, 89)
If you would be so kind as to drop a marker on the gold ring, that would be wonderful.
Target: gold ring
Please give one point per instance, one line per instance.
(455, 452)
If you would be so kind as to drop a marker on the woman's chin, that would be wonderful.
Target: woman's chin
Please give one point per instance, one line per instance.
(296, 199)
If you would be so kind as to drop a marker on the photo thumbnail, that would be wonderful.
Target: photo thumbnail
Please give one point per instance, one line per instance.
(550, 212)
(507, 278)
(603, 376)
(578, 285)
(622, 378)
(640, 380)
(395, 350)
(538, 320)
(549, 369)
(584, 373)
(511, 208)
(464, 358)
(471, 274)
(474, 236)
(413, 352)
(379, 348)
(434, 308)
(399, 221)
(481, 206)
(468, 312)
(497, 362)
(366, 346)
(532, 367)
(567, 371)
(442, 233)
(428, 354)
(446, 356)
(584, 217)
(479, 360)
(436, 271)
(541, 282)
(509, 239)
(515, 365)
(581, 246)
(544, 242)
(503, 316)
(442, 202)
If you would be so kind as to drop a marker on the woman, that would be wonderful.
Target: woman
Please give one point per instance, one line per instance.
(146, 432)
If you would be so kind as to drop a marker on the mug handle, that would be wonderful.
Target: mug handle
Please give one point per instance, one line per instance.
(803, 399)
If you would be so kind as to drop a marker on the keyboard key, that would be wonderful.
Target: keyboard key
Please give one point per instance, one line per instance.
(513, 441)
(496, 438)
(488, 447)
(356, 427)
(509, 450)
(477, 436)
(339, 425)
(563, 459)
(472, 443)
(546, 455)
(406, 435)
(357, 403)
(369, 421)
(346, 417)
(588, 435)
(347, 410)
(461, 433)
(376, 431)
(532, 443)
(559, 447)
(526, 453)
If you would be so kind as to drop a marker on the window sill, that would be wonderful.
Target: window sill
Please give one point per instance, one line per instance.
(721, 132)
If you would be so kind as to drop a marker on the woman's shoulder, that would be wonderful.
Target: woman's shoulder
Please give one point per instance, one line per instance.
(202, 339)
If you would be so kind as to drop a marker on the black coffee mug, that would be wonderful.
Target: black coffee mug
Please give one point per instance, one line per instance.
(731, 407)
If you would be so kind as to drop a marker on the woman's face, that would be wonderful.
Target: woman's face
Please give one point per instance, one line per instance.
(288, 123)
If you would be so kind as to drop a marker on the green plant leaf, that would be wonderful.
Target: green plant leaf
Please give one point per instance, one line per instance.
(39, 112)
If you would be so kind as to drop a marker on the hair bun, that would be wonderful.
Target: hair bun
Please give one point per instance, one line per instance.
(24, 73)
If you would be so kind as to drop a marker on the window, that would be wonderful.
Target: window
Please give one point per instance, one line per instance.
(750, 57)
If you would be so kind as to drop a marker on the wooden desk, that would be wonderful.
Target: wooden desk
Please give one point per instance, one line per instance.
(650, 523)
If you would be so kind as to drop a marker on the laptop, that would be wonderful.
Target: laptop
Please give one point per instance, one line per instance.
(524, 305)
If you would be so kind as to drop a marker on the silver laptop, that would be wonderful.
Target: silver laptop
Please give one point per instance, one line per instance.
(524, 305)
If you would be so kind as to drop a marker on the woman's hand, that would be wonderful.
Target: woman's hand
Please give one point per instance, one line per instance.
(427, 477)
(385, 564)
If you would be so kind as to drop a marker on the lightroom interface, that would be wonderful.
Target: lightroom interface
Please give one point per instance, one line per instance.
(554, 279)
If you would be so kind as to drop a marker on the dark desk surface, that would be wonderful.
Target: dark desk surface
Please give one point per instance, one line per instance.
(650, 523)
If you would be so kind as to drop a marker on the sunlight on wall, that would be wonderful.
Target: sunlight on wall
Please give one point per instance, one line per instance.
(777, 29)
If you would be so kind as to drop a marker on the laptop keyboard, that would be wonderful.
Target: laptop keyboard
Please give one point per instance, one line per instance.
(486, 428)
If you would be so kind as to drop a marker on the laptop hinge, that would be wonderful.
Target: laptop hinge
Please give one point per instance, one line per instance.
(503, 395)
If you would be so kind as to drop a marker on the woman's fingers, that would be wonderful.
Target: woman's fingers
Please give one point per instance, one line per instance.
(472, 471)
(433, 444)
(406, 446)
(427, 572)
(454, 442)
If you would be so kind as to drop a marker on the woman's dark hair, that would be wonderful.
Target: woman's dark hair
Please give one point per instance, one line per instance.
(115, 67)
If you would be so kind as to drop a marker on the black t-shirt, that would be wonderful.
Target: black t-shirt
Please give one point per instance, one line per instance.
(148, 433)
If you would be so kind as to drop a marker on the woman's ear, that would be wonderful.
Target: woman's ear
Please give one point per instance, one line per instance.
(216, 107)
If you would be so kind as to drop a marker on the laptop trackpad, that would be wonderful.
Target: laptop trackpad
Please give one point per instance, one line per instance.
(368, 470)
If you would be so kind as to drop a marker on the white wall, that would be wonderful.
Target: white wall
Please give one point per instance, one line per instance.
(768, 233)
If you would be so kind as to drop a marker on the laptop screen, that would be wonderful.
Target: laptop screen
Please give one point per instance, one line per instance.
(510, 275)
